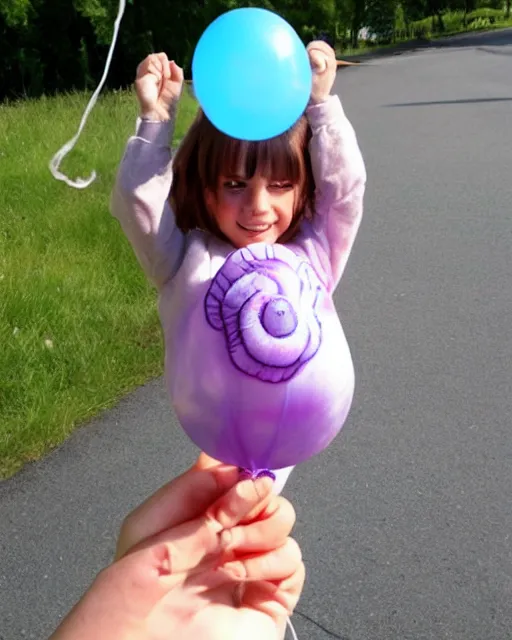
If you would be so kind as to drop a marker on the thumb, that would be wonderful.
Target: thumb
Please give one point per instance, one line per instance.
(318, 60)
(176, 72)
(184, 498)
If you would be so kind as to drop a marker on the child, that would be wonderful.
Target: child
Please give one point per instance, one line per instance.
(185, 214)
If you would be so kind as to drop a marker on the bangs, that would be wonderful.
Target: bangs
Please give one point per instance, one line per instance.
(280, 158)
(206, 155)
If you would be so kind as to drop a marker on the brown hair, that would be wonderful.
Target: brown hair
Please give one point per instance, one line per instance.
(206, 153)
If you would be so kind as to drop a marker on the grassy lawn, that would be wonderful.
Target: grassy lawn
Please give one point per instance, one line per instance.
(78, 322)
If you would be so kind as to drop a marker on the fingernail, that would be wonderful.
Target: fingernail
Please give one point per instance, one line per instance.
(263, 485)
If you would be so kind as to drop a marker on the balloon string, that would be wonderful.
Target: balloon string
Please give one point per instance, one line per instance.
(289, 623)
(82, 183)
(245, 474)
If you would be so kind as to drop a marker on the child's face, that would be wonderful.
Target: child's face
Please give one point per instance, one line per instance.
(252, 210)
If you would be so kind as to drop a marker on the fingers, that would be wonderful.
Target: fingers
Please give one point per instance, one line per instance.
(318, 61)
(320, 45)
(190, 547)
(246, 497)
(321, 56)
(277, 599)
(158, 65)
(275, 565)
(154, 64)
(268, 532)
(323, 63)
(164, 65)
(290, 589)
(156, 68)
(185, 498)
(175, 72)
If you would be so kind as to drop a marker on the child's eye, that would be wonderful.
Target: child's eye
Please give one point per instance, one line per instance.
(282, 185)
(234, 184)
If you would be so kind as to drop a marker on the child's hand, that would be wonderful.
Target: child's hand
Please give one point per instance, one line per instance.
(158, 85)
(323, 63)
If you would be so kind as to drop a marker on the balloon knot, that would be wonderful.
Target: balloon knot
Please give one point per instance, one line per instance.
(248, 474)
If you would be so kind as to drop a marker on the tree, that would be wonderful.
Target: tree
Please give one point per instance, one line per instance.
(380, 18)
(15, 13)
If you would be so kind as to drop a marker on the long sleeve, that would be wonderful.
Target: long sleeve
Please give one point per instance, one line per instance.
(140, 201)
(340, 180)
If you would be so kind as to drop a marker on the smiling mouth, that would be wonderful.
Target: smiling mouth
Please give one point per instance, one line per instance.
(255, 228)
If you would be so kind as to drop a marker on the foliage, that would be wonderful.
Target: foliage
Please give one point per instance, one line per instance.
(51, 46)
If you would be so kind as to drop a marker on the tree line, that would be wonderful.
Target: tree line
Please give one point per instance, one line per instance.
(49, 46)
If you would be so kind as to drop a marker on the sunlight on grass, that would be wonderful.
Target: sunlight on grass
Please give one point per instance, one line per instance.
(78, 322)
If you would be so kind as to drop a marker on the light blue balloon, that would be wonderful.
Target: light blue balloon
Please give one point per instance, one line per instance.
(251, 74)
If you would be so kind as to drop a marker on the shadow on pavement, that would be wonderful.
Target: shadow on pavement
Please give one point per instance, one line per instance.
(466, 101)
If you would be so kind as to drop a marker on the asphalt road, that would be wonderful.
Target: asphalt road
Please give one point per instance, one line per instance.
(406, 520)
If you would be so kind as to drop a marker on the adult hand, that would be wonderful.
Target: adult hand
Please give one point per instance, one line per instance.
(205, 557)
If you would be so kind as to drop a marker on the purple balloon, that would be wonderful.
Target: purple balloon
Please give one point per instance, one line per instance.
(267, 378)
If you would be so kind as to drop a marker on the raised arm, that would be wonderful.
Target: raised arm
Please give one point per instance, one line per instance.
(140, 201)
(340, 179)
(338, 169)
(140, 196)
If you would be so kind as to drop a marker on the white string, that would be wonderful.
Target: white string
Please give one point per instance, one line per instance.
(289, 622)
(83, 183)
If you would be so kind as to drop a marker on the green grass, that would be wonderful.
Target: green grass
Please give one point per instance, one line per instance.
(78, 321)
